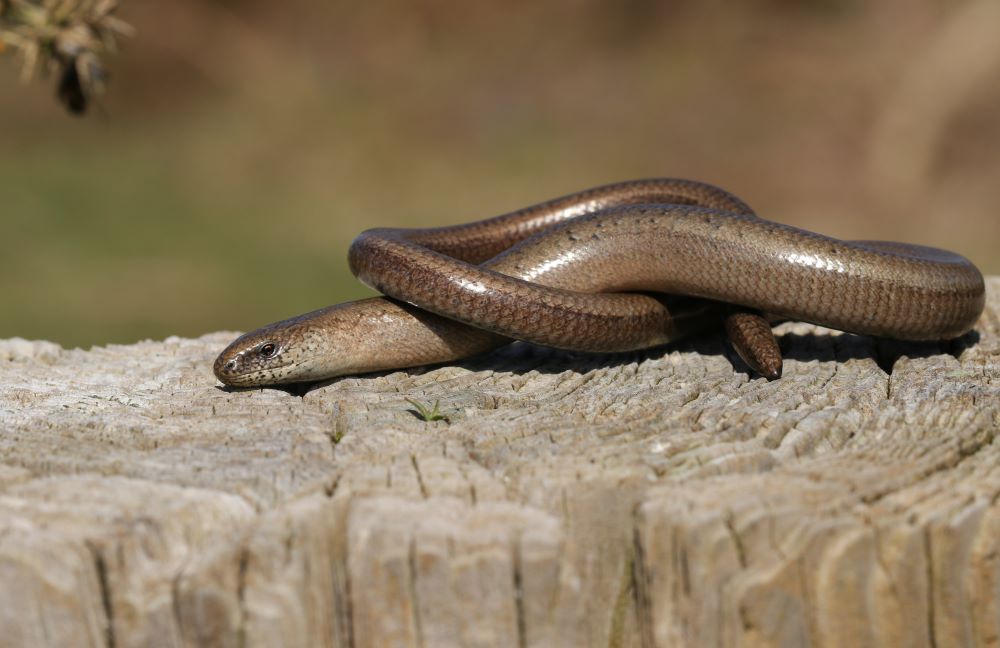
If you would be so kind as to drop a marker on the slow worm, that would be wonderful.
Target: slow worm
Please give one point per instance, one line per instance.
(600, 270)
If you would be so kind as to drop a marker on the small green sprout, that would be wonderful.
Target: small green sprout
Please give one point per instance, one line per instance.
(427, 413)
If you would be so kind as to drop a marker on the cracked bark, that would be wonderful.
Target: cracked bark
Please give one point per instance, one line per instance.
(643, 499)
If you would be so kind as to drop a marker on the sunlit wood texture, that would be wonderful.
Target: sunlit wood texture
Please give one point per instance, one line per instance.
(659, 499)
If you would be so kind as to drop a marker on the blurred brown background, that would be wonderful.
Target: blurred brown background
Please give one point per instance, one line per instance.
(242, 145)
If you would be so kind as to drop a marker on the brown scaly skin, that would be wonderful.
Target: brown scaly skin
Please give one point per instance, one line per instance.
(753, 340)
(542, 266)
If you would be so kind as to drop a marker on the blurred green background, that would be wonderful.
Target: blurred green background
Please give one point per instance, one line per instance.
(242, 145)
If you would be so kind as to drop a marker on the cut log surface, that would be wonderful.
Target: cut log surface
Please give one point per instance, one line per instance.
(663, 498)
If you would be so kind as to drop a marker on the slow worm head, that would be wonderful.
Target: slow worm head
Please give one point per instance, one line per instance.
(351, 338)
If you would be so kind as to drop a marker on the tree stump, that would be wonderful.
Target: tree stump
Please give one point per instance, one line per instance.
(663, 498)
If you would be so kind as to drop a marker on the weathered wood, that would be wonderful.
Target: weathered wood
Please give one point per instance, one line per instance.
(655, 499)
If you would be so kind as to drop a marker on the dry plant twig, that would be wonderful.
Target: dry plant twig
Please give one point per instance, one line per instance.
(65, 36)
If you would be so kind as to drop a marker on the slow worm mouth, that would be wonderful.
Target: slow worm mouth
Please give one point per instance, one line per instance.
(229, 368)
(225, 370)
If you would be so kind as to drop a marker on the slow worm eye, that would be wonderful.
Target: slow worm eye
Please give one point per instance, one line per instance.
(268, 350)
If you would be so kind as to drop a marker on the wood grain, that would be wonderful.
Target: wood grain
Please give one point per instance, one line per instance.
(654, 499)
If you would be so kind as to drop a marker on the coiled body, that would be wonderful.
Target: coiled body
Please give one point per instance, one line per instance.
(559, 274)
